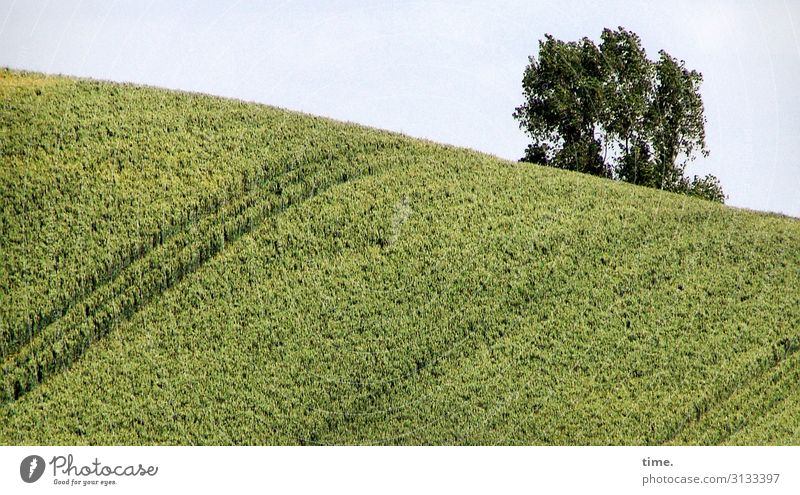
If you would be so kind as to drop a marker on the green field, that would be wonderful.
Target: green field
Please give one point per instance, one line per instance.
(183, 269)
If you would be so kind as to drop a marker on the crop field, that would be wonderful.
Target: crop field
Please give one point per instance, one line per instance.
(183, 269)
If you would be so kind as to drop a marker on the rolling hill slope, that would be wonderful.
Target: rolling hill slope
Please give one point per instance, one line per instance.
(182, 269)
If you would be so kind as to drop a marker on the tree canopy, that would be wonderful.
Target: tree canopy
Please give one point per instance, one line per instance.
(608, 110)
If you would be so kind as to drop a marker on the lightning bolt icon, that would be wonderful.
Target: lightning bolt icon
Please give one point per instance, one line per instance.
(34, 463)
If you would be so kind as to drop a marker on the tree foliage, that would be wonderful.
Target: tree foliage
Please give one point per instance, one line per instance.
(608, 110)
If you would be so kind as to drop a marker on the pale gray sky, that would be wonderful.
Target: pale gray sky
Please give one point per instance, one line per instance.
(449, 71)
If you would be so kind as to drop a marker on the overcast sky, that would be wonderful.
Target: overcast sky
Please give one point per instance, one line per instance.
(449, 71)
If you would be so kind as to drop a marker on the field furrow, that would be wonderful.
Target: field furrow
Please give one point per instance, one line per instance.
(66, 339)
(766, 394)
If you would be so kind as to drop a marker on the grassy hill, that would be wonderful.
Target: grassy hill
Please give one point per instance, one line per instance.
(183, 269)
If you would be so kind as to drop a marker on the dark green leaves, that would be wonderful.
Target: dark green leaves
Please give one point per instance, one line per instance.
(608, 110)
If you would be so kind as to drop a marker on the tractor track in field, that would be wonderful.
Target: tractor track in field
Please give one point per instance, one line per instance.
(771, 405)
(784, 350)
(61, 343)
(20, 334)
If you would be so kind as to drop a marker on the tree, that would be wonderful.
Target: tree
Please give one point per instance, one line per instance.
(627, 92)
(562, 92)
(678, 124)
(608, 110)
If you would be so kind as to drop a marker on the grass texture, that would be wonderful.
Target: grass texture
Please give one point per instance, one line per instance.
(183, 269)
